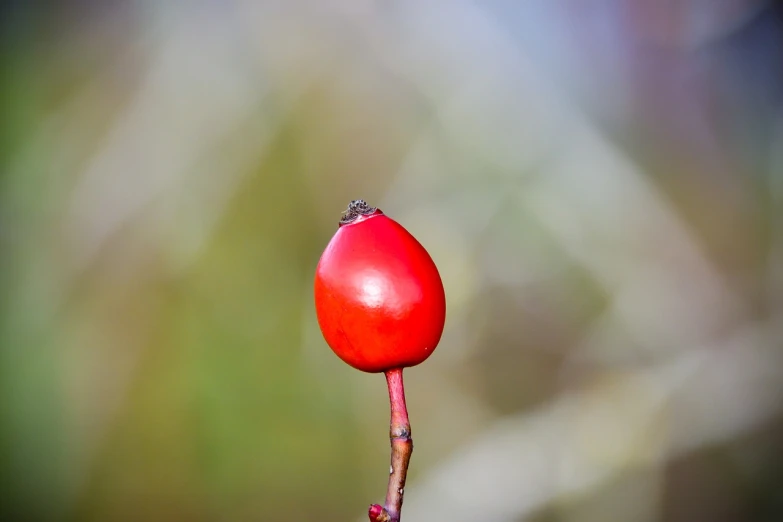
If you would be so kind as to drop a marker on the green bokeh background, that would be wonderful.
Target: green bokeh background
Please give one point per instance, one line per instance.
(172, 173)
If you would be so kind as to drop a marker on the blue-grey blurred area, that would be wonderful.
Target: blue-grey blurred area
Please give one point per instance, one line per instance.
(600, 184)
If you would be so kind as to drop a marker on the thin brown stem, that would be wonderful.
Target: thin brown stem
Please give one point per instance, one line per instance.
(401, 449)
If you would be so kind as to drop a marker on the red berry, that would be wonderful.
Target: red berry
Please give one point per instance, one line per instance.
(378, 295)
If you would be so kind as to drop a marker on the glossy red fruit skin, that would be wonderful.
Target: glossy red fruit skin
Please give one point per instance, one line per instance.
(378, 296)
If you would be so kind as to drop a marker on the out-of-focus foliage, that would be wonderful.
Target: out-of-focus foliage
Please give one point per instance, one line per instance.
(599, 183)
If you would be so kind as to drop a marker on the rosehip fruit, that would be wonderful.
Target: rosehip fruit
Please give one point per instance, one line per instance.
(378, 295)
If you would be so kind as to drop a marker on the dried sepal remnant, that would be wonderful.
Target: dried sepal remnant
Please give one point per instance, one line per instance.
(356, 208)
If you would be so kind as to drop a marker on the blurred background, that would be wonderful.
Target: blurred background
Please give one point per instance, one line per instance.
(598, 182)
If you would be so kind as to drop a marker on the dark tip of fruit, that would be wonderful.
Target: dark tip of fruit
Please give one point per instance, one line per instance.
(356, 208)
